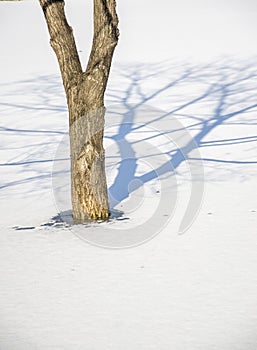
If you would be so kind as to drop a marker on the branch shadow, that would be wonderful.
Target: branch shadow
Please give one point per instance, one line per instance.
(33, 120)
(203, 98)
(223, 96)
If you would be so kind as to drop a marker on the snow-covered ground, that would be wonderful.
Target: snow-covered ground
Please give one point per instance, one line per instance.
(190, 64)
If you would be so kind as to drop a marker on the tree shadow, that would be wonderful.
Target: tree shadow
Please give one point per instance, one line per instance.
(203, 98)
(216, 95)
(33, 121)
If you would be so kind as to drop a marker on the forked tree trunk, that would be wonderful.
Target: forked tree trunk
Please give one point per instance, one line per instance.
(85, 99)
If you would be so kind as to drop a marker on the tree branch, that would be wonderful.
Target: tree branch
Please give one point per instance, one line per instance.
(105, 39)
(62, 41)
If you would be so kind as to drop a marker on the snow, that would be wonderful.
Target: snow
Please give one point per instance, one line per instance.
(190, 64)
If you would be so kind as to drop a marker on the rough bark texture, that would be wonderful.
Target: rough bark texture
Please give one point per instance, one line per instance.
(85, 99)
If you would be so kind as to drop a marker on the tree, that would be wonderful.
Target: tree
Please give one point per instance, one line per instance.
(85, 99)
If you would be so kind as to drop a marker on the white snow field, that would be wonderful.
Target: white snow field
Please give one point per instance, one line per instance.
(183, 81)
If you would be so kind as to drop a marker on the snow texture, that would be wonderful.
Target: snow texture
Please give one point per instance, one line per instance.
(192, 62)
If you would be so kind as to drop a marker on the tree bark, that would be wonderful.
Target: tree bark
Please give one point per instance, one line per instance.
(85, 99)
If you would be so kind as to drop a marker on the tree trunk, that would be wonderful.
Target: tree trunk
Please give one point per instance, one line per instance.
(85, 99)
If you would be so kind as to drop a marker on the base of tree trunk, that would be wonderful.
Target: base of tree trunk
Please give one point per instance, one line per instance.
(88, 179)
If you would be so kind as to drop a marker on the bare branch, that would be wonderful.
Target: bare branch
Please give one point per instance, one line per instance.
(105, 39)
(62, 41)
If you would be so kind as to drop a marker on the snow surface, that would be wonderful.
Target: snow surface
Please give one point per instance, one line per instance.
(196, 62)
